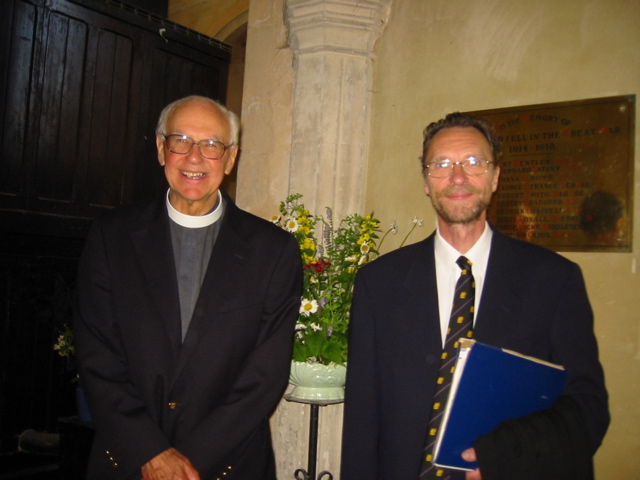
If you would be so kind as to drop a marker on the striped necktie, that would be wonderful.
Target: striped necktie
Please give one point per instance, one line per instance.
(460, 326)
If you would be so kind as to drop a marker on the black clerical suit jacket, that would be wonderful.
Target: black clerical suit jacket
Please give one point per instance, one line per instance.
(533, 301)
(211, 396)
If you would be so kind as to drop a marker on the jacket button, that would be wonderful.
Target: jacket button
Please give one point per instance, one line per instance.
(173, 405)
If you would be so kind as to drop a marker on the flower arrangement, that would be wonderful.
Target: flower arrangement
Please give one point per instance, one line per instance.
(65, 348)
(330, 263)
(64, 344)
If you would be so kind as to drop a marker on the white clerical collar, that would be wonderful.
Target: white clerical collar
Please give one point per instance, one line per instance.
(195, 221)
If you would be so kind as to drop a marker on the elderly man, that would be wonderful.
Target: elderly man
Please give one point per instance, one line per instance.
(185, 312)
(525, 298)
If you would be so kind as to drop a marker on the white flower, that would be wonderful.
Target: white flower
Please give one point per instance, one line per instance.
(275, 219)
(291, 225)
(315, 327)
(307, 307)
(394, 228)
(365, 247)
(417, 222)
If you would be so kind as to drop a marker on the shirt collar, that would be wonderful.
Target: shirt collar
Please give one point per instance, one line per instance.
(478, 254)
(196, 221)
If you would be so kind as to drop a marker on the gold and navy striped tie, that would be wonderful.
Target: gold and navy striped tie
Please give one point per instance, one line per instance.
(460, 326)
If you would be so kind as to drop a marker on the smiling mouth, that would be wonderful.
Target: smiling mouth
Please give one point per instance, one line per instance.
(194, 175)
(456, 195)
(459, 196)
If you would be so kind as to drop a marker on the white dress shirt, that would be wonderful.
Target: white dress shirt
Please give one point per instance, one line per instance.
(448, 272)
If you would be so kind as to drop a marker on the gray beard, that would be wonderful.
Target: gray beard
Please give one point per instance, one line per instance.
(464, 218)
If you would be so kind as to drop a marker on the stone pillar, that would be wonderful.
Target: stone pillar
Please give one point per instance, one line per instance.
(332, 42)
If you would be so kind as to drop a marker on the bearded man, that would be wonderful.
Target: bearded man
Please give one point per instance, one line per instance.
(525, 298)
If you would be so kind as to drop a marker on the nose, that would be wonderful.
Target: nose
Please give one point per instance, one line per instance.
(458, 175)
(194, 155)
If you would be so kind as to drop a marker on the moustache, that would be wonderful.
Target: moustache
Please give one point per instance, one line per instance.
(457, 190)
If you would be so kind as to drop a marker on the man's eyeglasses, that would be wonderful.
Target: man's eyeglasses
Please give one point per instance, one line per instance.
(181, 144)
(444, 168)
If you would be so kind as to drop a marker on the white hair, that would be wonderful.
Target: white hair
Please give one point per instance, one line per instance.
(232, 118)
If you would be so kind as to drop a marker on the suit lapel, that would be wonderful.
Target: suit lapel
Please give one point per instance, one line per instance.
(422, 295)
(501, 303)
(152, 243)
(419, 329)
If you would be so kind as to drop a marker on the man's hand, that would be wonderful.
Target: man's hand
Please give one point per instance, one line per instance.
(469, 455)
(169, 465)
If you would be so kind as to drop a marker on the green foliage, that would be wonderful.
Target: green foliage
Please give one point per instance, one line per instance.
(331, 254)
(66, 349)
(64, 345)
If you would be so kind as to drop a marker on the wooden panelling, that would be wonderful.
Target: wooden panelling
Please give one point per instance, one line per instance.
(85, 83)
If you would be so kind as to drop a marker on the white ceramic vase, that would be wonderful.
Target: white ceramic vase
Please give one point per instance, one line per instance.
(314, 381)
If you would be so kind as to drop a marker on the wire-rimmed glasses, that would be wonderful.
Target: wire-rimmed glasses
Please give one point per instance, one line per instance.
(444, 168)
(182, 145)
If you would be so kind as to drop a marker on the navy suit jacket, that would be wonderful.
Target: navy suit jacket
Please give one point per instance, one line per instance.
(211, 396)
(534, 302)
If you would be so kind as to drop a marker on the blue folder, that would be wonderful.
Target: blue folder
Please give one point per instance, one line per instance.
(491, 385)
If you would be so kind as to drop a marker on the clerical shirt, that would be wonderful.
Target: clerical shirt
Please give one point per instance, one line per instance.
(193, 238)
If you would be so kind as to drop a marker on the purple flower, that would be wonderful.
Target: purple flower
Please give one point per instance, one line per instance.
(329, 331)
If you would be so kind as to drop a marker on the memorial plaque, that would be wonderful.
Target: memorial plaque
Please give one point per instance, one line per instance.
(566, 178)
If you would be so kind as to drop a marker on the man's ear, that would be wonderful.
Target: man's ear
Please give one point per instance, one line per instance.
(160, 147)
(231, 160)
(495, 179)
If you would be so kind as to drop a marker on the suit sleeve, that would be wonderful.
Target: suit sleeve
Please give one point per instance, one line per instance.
(551, 444)
(362, 410)
(558, 442)
(116, 408)
(263, 377)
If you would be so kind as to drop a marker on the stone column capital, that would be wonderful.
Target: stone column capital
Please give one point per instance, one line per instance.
(342, 26)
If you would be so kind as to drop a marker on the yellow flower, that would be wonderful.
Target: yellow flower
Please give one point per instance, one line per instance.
(308, 244)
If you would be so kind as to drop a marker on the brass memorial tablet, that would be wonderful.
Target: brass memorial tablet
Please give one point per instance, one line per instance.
(566, 178)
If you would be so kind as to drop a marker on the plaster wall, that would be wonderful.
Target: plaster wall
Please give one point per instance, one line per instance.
(217, 20)
(267, 109)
